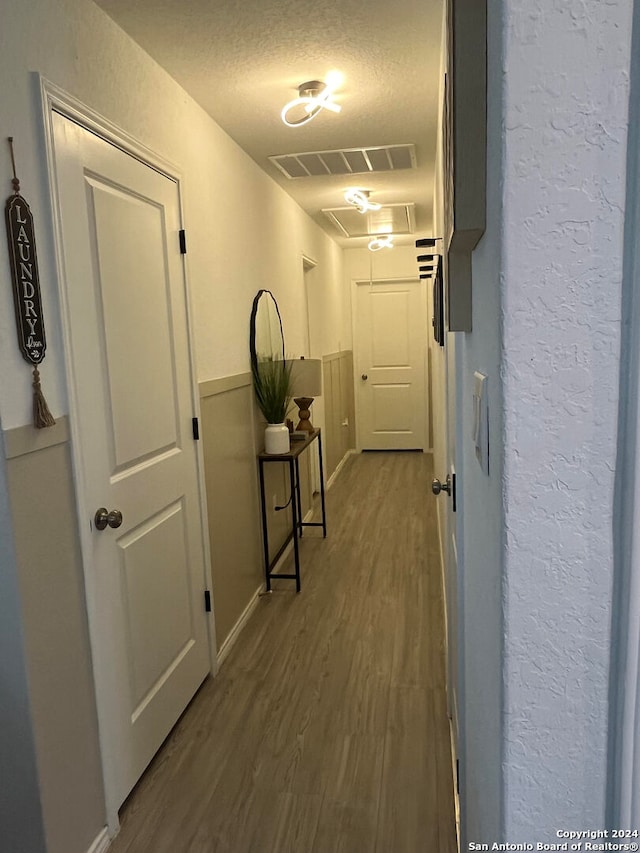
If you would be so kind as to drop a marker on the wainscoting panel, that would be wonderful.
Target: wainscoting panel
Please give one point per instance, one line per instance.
(65, 724)
(339, 404)
(228, 436)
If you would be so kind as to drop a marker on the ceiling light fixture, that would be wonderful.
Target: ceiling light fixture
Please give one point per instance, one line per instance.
(314, 96)
(360, 200)
(384, 241)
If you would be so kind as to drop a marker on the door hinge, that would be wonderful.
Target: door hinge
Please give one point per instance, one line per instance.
(454, 496)
(207, 601)
(458, 776)
(196, 429)
(183, 241)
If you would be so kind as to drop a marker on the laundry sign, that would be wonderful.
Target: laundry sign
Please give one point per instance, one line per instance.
(26, 284)
(26, 291)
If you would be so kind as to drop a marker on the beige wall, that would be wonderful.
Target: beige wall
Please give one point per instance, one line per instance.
(43, 509)
(233, 434)
(234, 248)
(227, 434)
(243, 231)
(21, 819)
(339, 409)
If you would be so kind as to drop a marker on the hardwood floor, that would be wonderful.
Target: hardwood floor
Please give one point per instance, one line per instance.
(326, 727)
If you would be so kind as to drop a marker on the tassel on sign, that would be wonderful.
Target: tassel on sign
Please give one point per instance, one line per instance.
(42, 417)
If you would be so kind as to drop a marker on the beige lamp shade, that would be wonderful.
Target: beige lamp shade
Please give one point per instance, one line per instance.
(306, 383)
(306, 377)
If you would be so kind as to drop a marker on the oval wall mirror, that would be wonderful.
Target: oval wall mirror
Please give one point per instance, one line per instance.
(266, 339)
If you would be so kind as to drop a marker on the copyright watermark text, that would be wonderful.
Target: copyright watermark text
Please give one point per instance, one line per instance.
(583, 840)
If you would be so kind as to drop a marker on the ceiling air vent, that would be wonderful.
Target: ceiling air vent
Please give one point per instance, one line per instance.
(390, 219)
(349, 161)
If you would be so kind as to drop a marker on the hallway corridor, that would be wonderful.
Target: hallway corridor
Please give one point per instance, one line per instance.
(326, 728)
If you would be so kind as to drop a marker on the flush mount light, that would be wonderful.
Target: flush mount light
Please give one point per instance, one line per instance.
(384, 241)
(314, 96)
(360, 200)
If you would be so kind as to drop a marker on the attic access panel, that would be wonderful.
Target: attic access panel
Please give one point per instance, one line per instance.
(390, 219)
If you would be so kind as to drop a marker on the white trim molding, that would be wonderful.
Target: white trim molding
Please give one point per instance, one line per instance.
(101, 843)
(235, 632)
(340, 466)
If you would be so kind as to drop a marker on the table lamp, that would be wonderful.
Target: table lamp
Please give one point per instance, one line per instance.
(306, 384)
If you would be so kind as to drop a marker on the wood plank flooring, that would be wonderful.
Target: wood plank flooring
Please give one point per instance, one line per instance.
(325, 730)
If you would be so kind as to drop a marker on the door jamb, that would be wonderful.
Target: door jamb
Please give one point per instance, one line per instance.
(54, 99)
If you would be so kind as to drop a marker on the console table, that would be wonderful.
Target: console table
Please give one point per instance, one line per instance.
(291, 459)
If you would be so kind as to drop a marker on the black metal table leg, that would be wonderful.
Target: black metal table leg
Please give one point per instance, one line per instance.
(265, 531)
(294, 512)
(324, 517)
(298, 499)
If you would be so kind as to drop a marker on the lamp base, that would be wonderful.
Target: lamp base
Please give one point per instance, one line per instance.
(304, 404)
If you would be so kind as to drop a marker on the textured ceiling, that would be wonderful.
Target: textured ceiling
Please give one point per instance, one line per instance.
(243, 60)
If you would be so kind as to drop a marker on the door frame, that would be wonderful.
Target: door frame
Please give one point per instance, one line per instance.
(623, 782)
(355, 283)
(55, 99)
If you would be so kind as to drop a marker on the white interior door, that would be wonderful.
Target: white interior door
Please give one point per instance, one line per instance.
(391, 351)
(134, 450)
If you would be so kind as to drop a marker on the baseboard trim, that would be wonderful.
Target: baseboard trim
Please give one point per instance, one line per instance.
(443, 573)
(339, 467)
(452, 740)
(102, 842)
(456, 795)
(233, 635)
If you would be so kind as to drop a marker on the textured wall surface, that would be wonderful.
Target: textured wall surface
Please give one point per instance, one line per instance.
(565, 115)
(481, 502)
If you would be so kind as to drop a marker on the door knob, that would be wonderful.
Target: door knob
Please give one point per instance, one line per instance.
(103, 518)
(365, 377)
(437, 487)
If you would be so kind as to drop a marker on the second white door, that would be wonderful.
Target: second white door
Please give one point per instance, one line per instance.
(391, 353)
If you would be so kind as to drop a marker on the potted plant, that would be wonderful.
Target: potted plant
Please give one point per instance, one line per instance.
(272, 386)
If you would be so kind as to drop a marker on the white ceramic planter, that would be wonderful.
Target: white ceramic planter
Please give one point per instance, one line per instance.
(276, 438)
